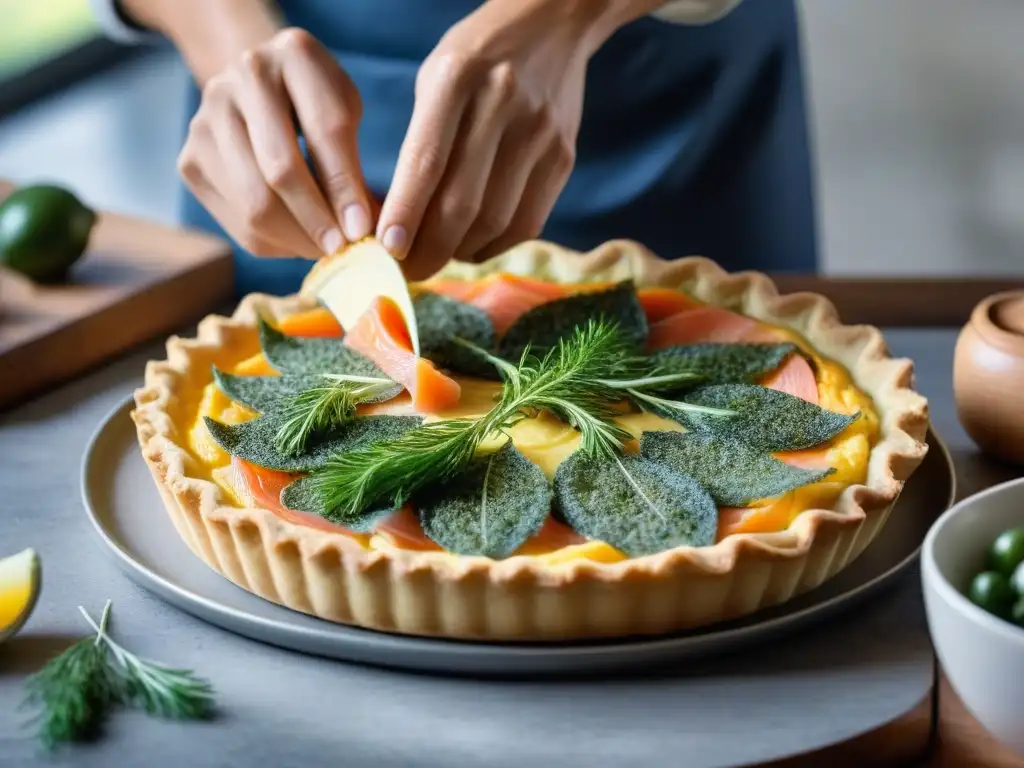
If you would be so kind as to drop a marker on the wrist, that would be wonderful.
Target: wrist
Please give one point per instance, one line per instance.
(210, 34)
(594, 21)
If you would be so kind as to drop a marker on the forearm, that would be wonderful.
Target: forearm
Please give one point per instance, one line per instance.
(599, 19)
(209, 33)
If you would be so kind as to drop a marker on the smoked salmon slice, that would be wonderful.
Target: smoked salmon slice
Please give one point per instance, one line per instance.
(552, 535)
(661, 303)
(262, 487)
(768, 519)
(318, 322)
(700, 324)
(506, 298)
(794, 377)
(382, 336)
(404, 529)
(460, 290)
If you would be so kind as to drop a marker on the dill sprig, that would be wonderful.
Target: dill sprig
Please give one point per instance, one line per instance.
(74, 691)
(161, 690)
(563, 381)
(315, 410)
(77, 690)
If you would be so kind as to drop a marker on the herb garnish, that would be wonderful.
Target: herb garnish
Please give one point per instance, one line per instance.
(493, 505)
(563, 382)
(75, 691)
(637, 504)
(322, 407)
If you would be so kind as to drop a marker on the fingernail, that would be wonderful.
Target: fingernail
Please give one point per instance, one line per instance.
(394, 240)
(332, 242)
(357, 223)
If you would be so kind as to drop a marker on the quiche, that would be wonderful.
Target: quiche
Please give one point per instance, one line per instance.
(586, 446)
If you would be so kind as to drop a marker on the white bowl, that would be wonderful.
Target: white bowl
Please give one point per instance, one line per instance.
(982, 655)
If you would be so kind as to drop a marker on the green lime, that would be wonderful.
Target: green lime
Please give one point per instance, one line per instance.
(1007, 551)
(1017, 580)
(43, 231)
(992, 591)
(1018, 613)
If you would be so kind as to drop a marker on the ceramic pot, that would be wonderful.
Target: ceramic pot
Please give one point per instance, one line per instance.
(988, 376)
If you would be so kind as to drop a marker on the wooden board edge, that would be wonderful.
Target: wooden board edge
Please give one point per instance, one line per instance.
(194, 291)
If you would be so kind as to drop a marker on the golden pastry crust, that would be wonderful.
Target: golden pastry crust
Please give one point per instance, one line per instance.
(521, 598)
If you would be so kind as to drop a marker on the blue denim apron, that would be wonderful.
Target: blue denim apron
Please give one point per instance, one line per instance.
(693, 139)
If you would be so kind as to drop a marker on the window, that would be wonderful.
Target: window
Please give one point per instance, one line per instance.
(33, 32)
(46, 45)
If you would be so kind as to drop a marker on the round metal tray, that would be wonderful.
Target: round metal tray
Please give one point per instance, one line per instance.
(126, 510)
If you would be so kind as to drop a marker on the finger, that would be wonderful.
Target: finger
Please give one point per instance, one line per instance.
(545, 184)
(521, 149)
(257, 207)
(268, 119)
(422, 160)
(198, 164)
(328, 108)
(223, 212)
(458, 199)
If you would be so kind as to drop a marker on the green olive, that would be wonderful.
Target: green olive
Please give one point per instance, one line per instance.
(1017, 580)
(992, 591)
(1007, 551)
(1018, 613)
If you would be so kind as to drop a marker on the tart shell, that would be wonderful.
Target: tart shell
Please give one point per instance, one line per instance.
(437, 594)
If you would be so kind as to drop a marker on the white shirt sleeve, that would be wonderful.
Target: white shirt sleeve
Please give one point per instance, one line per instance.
(694, 11)
(116, 26)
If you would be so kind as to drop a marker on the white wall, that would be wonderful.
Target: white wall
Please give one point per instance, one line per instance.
(919, 121)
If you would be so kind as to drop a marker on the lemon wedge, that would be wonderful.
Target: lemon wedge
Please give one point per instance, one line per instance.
(20, 579)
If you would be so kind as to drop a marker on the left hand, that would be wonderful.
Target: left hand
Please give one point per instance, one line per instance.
(492, 138)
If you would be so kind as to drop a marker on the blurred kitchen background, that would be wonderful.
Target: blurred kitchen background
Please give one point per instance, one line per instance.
(918, 123)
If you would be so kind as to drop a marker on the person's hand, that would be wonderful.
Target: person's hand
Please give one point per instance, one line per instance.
(492, 138)
(242, 158)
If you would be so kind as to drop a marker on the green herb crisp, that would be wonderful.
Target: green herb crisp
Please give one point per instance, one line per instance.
(766, 420)
(254, 441)
(295, 354)
(722, 363)
(490, 507)
(638, 505)
(440, 320)
(302, 496)
(542, 327)
(733, 472)
(262, 393)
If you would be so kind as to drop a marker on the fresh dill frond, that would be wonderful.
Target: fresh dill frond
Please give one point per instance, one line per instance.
(74, 691)
(161, 690)
(315, 410)
(77, 690)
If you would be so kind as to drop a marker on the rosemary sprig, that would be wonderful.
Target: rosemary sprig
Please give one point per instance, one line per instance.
(320, 408)
(75, 691)
(564, 382)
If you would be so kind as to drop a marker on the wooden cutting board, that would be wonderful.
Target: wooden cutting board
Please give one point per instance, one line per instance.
(138, 280)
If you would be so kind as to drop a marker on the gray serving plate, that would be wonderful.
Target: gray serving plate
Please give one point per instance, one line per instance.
(126, 510)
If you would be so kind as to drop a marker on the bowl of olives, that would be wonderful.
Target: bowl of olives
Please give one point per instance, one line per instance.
(972, 568)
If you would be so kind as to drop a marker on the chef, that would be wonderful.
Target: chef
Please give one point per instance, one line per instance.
(454, 129)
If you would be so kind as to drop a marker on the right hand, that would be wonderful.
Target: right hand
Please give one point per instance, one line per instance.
(243, 162)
